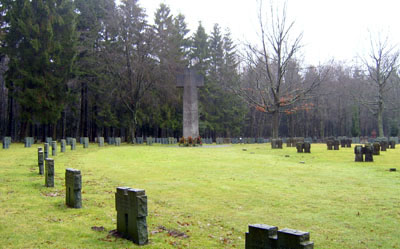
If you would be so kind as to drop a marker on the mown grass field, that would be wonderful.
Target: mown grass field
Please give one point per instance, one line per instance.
(203, 197)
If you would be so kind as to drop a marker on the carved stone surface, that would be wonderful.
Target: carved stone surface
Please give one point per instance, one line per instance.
(73, 144)
(63, 145)
(262, 236)
(276, 143)
(117, 141)
(377, 148)
(190, 80)
(28, 142)
(73, 185)
(300, 147)
(6, 142)
(131, 206)
(101, 141)
(85, 142)
(368, 152)
(294, 239)
(40, 160)
(359, 151)
(329, 144)
(307, 147)
(46, 150)
(49, 172)
(335, 144)
(54, 148)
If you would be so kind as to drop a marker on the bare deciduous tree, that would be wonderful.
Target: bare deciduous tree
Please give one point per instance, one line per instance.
(381, 64)
(267, 85)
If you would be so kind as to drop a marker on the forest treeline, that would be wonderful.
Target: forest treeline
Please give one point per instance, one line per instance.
(88, 68)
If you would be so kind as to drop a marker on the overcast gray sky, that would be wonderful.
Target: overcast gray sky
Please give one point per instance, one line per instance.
(331, 28)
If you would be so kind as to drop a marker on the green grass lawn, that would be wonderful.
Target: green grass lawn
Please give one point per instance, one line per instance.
(209, 194)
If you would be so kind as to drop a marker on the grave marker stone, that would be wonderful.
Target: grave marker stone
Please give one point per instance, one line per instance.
(73, 185)
(54, 148)
(40, 160)
(377, 148)
(85, 141)
(100, 140)
(49, 172)
(131, 206)
(262, 236)
(307, 147)
(73, 144)
(359, 151)
(368, 151)
(190, 80)
(46, 150)
(63, 145)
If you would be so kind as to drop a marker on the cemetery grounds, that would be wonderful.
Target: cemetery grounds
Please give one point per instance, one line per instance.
(203, 197)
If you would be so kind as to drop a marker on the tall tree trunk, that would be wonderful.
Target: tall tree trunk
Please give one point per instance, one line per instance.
(380, 118)
(10, 125)
(275, 124)
(63, 124)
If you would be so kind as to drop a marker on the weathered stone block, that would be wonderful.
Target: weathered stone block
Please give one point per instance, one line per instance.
(329, 144)
(300, 147)
(6, 142)
(63, 145)
(73, 144)
(49, 172)
(261, 236)
(377, 148)
(359, 151)
(100, 140)
(46, 150)
(40, 160)
(54, 148)
(335, 144)
(73, 185)
(85, 141)
(307, 147)
(368, 152)
(131, 206)
(294, 239)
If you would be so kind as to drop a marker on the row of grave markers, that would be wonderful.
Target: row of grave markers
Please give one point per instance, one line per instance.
(132, 212)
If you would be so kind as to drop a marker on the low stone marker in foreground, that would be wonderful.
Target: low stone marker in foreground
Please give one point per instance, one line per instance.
(49, 172)
(73, 187)
(131, 206)
(262, 236)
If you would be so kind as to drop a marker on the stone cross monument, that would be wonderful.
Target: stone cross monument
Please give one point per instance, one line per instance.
(190, 80)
